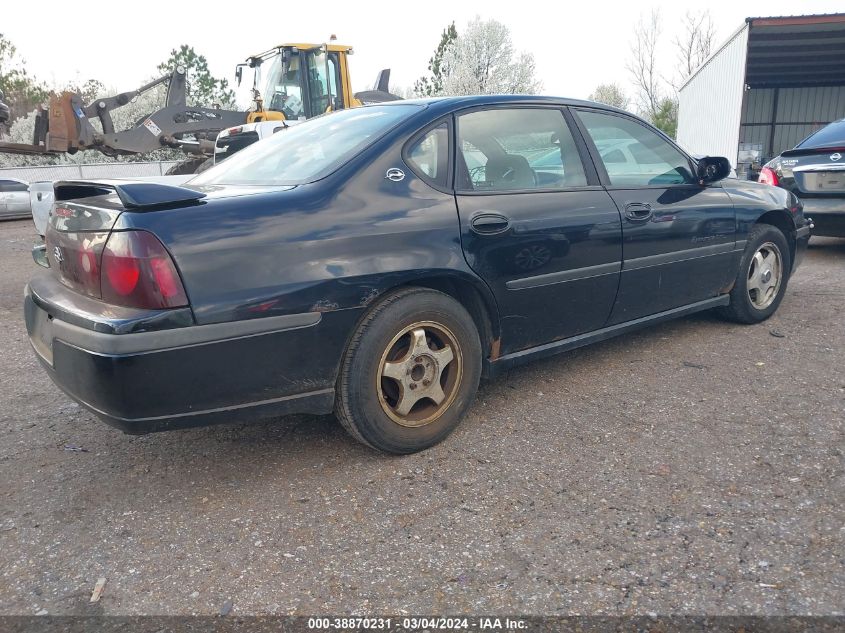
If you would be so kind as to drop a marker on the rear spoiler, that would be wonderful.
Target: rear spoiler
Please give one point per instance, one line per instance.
(134, 195)
(801, 151)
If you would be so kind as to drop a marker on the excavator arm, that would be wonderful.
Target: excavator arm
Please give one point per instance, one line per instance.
(65, 126)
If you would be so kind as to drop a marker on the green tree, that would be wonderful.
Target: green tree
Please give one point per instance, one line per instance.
(21, 92)
(88, 90)
(666, 116)
(431, 85)
(204, 89)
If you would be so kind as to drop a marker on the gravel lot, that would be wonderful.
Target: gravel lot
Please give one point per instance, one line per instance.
(695, 467)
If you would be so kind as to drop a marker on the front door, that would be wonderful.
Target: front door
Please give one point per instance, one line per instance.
(535, 223)
(678, 237)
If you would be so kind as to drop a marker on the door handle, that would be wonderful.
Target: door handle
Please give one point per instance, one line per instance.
(489, 223)
(638, 211)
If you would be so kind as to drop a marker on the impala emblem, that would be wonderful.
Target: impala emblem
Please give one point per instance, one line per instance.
(835, 156)
(395, 174)
(57, 254)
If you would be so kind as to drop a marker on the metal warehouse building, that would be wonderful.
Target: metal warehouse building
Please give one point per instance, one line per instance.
(769, 86)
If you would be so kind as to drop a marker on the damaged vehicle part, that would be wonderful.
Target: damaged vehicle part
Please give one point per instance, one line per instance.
(378, 261)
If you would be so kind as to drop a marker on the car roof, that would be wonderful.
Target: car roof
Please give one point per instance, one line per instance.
(482, 100)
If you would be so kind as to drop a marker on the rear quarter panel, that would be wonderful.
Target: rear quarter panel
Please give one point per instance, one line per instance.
(333, 245)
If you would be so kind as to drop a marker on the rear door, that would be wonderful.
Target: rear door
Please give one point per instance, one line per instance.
(535, 223)
(17, 198)
(678, 237)
(3, 184)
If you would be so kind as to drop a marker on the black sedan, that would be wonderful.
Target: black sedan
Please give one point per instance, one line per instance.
(355, 263)
(5, 113)
(815, 172)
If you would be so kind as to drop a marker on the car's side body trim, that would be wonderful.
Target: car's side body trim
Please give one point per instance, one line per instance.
(677, 256)
(565, 275)
(610, 268)
(156, 341)
(549, 349)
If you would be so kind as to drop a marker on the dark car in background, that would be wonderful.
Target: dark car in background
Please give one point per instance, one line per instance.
(378, 261)
(815, 172)
(5, 112)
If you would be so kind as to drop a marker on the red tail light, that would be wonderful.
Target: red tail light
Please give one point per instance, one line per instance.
(768, 177)
(138, 272)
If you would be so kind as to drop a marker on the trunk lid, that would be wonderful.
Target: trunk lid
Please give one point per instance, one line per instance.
(83, 215)
(814, 172)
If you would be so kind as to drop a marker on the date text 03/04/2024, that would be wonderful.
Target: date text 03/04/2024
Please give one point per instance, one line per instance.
(418, 623)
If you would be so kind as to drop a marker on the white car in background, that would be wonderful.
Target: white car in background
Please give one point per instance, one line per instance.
(41, 200)
(14, 199)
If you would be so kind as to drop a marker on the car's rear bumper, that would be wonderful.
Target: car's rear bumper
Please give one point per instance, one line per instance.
(14, 215)
(155, 380)
(828, 215)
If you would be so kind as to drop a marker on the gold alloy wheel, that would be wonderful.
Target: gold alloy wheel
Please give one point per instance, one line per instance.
(419, 374)
(764, 275)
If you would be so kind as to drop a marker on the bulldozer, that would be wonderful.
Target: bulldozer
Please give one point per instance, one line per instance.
(302, 80)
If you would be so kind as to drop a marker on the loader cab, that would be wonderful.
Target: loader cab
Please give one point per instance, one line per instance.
(299, 81)
(292, 83)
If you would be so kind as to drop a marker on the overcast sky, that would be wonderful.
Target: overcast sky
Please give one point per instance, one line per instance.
(576, 44)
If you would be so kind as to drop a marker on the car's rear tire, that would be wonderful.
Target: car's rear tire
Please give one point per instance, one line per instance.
(410, 372)
(762, 277)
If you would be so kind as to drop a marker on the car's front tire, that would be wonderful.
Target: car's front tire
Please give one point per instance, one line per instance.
(762, 277)
(410, 372)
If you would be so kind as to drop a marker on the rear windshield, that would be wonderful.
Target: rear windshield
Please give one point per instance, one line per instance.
(307, 151)
(832, 135)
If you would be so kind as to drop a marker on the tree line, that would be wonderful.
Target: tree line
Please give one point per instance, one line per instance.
(478, 59)
(481, 60)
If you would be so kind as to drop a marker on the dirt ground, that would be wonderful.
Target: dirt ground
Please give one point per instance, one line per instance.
(693, 467)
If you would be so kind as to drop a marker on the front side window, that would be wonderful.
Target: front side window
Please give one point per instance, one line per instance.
(309, 150)
(632, 154)
(283, 91)
(508, 149)
(429, 155)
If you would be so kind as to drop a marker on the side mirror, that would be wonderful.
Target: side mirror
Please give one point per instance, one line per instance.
(713, 169)
(239, 73)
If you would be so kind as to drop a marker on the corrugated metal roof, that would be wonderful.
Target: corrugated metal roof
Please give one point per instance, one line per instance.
(811, 18)
(794, 50)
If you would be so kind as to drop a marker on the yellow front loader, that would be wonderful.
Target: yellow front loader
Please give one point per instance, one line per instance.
(292, 82)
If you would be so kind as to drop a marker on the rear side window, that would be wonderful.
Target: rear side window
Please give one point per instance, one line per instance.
(832, 135)
(309, 150)
(633, 155)
(512, 149)
(429, 155)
